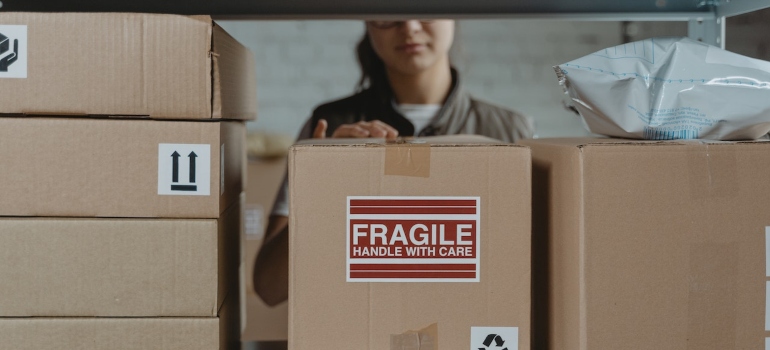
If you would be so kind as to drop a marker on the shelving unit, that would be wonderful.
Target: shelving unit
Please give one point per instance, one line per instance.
(705, 17)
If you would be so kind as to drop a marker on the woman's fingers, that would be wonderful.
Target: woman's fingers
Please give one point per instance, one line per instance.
(351, 131)
(390, 132)
(320, 129)
(376, 129)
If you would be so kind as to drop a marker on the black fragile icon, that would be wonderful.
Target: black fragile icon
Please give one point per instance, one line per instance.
(11, 57)
(175, 173)
(498, 340)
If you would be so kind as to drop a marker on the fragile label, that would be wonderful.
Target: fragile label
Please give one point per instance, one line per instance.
(13, 51)
(413, 239)
(184, 169)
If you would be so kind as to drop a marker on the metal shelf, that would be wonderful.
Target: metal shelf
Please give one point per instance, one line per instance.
(614, 9)
(705, 16)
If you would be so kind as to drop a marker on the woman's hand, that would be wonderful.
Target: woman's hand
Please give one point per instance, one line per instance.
(376, 129)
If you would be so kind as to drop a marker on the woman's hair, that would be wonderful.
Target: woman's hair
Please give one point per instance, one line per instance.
(372, 67)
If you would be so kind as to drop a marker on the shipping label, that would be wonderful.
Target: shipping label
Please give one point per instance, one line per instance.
(413, 239)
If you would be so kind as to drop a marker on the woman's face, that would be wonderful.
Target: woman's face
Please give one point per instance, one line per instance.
(410, 47)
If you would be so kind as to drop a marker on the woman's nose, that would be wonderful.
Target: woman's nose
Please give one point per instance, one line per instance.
(412, 25)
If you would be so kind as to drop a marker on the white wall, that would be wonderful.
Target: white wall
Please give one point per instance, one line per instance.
(301, 64)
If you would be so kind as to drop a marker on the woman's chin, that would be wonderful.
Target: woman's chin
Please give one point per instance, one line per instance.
(413, 65)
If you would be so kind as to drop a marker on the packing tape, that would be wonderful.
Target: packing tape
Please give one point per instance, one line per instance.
(407, 159)
(423, 339)
(712, 298)
(712, 172)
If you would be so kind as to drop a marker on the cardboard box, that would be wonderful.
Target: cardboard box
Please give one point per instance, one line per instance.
(460, 280)
(650, 245)
(125, 333)
(261, 322)
(81, 167)
(65, 267)
(125, 64)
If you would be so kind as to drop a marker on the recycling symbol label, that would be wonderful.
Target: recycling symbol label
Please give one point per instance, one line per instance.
(494, 338)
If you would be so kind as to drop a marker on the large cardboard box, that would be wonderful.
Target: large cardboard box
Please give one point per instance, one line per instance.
(261, 322)
(77, 267)
(410, 246)
(82, 167)
(650, 245)
(96, 64)
(124, 333)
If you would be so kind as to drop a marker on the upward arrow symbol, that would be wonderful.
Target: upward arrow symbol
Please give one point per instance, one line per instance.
(175, 167)
(192, 156)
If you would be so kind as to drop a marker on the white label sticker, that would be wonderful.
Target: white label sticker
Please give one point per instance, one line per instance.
(413, 239)
(184, 169)
(253, 222)
(13, 51)
(767, 305)
(222, 169)
(494, 338)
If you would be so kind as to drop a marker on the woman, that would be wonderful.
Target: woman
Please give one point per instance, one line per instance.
(407, 88)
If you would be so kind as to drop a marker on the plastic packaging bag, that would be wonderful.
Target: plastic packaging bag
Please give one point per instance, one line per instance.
(670, 88)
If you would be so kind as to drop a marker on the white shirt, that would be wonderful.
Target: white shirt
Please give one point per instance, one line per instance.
(419, 115)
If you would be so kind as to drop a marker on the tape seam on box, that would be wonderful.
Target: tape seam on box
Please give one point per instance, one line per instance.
(423, 339)
(407, 159)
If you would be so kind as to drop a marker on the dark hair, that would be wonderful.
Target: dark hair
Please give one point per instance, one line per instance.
(372, 67)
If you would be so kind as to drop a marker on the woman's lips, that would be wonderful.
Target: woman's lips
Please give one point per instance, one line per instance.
(411, 48)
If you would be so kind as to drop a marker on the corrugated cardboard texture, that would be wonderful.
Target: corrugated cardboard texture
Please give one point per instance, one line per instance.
(109, 333)
(326, 312)
(230, 322)
(229, 259)
(555, 261)
(161, 66)
(670, 252)
(124, 333)
(117, 267)
(235, 84)
(109, 167)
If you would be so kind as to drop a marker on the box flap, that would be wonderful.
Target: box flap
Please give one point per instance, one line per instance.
(233, 78)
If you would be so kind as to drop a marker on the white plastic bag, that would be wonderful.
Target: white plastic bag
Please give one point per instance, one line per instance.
(670, 88)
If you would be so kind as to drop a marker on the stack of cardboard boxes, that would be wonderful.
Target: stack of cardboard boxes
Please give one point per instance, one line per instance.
(122, 152)
(634, 245)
